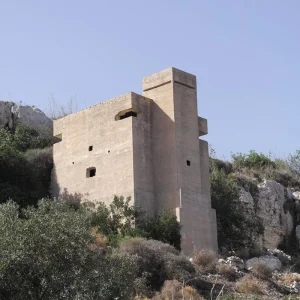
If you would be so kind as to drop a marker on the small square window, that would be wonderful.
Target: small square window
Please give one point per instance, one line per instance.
(188, 162)
(90, 148)
(90, 172)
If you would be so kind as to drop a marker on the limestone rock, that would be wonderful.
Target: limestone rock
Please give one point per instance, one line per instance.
(30, 115)
(277, 221)
(235, 262)
(12, 114)
(6, 116)
(296, 195)
(246, 199)
(271, 261)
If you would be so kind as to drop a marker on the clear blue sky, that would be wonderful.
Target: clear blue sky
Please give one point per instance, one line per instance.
(245, 54)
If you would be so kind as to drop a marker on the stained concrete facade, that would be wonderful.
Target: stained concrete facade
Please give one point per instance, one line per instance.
(146, 147)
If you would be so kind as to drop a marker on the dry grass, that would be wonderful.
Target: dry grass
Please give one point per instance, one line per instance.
(173, 290)
(205, 261)
(100, 241)
(289, 278)
(282, 173)
(262, 271)
(228, 272)
(250, 285)
(56, 111)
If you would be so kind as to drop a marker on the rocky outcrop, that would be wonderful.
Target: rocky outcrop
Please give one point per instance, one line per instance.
(12, 114)
(269, 204)
(6, 115)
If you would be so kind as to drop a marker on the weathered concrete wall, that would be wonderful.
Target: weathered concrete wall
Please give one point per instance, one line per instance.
(142, 154)
(112, 153)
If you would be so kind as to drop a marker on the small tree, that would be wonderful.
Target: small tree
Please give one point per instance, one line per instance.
(235, 229)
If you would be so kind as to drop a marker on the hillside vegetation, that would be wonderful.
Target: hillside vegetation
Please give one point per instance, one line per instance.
(63, 249)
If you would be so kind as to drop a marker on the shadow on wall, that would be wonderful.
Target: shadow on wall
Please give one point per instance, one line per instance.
(75, 198)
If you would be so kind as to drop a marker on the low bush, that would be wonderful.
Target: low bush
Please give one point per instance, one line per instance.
(262, 271)
(120, 219)
(205, 261)
(236, 229)
(163, 227)
(251, 160)
(157, 261)
(289, 278)
(229, 272)
(250, 285)
(172, 289)
(46, 253)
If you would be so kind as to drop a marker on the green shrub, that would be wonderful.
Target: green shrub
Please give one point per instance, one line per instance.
(157, 261)
(205, 261)
(262, 271)
(46, 253)
(236, 230)
(251, 160)
(163, 227)
(24, 176)
(120, 219)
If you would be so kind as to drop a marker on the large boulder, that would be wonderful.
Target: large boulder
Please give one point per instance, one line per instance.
(277, 221)
(272, 262)
(12, 114)
(269, 205)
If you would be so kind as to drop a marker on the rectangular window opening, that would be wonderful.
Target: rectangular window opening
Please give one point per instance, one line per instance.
(90, 148)
(188, 162)
(91, 172)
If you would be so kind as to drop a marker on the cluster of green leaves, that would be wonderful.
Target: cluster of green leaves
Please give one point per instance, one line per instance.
(120, 219)
(251, 160)
(236, 230)
(24, 172)
(48, 252)
(45, 253)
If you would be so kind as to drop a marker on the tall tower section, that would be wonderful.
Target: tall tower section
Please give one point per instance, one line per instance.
(180, 159)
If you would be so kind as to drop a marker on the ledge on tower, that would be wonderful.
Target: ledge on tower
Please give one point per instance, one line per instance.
(202, 126)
